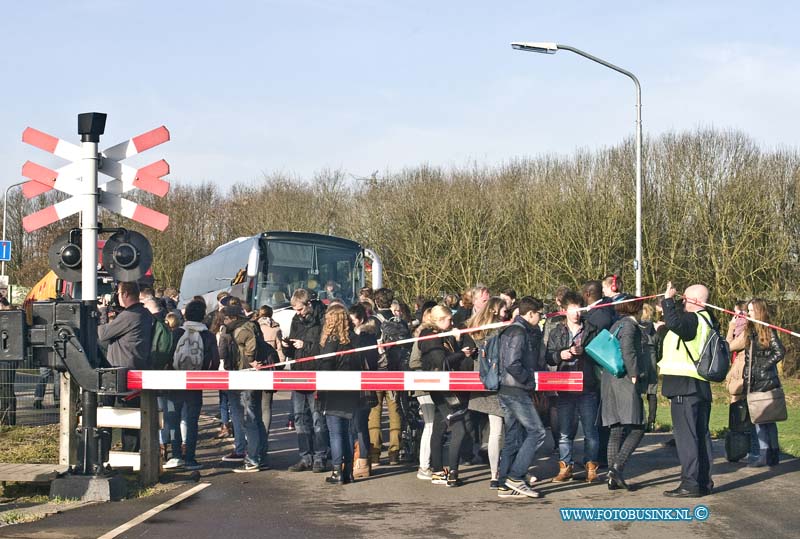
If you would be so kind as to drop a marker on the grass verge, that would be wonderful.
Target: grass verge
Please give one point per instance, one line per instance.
(788, 431)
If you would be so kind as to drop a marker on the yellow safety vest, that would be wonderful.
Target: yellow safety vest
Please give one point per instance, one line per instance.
(675, 360)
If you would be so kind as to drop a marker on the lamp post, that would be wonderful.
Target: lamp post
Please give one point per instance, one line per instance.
(552, 48)
(5, 207)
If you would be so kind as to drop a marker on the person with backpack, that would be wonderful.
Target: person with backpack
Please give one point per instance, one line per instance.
(195, 349)
(487, 402)
(623, 411)
(520, 354)
(313, 441)
(395, 358)
(245, 404)
(565, 351)
(689, 393)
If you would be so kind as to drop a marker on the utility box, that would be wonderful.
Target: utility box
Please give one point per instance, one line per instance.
(12, 336)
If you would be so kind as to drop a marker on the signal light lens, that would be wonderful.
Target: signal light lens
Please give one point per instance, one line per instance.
(126, 256)
(71, 256)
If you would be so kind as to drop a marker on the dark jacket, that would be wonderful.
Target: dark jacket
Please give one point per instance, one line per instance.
(307, 329)
(596, 320)
(620, 397)
(559, 340)
(340, 403)
(368, 337)
(685, 326)
(763, 361)
(461, 316)
(521, 354)
(444, 354)
(210, 350)
(129, 337)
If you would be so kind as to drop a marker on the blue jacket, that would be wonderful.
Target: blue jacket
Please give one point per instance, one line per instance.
(521, 355)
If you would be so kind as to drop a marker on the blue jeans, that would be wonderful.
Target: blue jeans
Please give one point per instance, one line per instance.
(224, 408)
(341, 442)
(525, 434)
(41, 384)
(165, 408)
(246, 411)
(313, 440)
(178, 402)
(585, 406)
(237, 419)
(767, 434)
(360, 432)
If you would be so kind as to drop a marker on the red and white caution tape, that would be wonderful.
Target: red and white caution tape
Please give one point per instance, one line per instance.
(454, 333)
(335, 380)
(737, 315)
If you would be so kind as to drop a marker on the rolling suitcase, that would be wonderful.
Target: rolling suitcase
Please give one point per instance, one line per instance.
(737, 439)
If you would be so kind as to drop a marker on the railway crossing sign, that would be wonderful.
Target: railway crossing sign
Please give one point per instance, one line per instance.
(71, 178)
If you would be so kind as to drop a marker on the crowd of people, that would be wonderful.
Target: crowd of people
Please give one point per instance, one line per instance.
(340, 431)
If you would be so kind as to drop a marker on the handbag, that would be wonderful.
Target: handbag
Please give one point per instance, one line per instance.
(765, 406)
(605, 350)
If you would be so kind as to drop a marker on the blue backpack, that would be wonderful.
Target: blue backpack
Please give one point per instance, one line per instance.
(489, 362)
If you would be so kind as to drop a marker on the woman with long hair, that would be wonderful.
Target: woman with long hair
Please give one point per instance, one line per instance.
(366, 329)
(426, 406)
(763, 350)
(339, 407)
(486, 402)
(445, 354)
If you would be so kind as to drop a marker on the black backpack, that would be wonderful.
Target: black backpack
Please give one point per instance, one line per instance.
(392, 330)
(715, 356)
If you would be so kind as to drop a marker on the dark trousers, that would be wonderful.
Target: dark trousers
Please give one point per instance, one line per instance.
(130, 437)
(690, 416)
(457, 431)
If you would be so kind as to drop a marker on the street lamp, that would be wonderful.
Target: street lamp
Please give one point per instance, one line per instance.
(5, 206)
(552, 48)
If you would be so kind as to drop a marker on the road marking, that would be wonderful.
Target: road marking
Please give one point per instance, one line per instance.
(154, 511)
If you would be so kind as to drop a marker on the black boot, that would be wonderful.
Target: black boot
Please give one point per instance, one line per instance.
(347, 475)
(335, 478)
(773, 457)
(615, 477)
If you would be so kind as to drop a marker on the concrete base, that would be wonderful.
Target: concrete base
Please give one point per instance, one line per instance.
(89, 488)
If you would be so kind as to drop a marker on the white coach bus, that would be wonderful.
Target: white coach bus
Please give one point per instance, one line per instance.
(267, 268)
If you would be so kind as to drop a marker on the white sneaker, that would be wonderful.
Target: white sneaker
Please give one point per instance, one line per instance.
(424, 474)
(522, 488)
(174, 463)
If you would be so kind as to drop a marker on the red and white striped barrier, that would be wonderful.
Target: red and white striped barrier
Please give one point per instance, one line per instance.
(335, 380)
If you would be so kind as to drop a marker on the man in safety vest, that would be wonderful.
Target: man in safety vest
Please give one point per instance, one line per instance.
(688, 392)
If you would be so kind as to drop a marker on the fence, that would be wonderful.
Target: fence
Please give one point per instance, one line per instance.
(29, 396)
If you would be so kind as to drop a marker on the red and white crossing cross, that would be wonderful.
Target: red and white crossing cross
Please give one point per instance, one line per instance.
(125, 178)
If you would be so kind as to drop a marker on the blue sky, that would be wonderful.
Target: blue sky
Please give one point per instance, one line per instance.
(252, 88)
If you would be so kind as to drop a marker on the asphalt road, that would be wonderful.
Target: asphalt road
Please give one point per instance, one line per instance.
(394, 503)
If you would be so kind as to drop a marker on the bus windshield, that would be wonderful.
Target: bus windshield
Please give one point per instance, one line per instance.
(327, 272)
